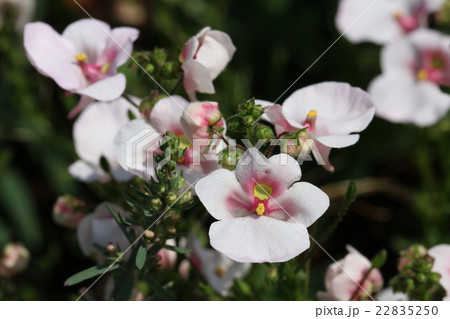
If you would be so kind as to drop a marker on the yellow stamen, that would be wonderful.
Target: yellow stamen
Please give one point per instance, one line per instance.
(397, 14)
(81, 57)
(422, 75)
(260, 209)
(311, 114)
(219, 272)
(262, 192)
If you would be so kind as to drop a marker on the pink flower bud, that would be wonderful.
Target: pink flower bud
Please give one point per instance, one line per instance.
(14, 260)
(199, 116)
(68, 211)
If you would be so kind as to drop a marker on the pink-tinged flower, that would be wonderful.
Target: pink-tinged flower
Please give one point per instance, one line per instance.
(413, 69)
(23, 10)
(204, 57)
(218, 270)
(441, 255)
(167, 257)
(138, 140)
(68, 211)
(385, 21)
(263, 212)
(101, 228)
(14, 260)
(199, 116)
(84, 59)
(341, 284)
(93, 134)
(388, 294)
(329, 111)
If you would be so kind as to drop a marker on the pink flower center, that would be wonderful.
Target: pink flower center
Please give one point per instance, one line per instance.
(412, 21)
(434, 67)
(92, 72)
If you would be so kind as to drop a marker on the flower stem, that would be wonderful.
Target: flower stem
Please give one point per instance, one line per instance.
(361, 283)
(127, 97)
(177, 85)
(270, 149)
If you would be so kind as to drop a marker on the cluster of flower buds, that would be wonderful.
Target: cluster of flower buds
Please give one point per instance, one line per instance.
(247, 115)
(416, 277)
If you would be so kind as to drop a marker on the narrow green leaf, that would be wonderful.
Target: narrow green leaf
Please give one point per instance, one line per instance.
(141, 256)
(178, 249)
(351, 193)
(158, 289)
(379, 259)
(89, 273)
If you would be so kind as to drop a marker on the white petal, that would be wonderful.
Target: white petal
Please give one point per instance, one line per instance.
(258, 239)
(85, 172)
(341, 109)
(108, 89)
(95, 128)
(310, 201)
(53, 55)
(401, 99)
(134, 145)
(196, 79)
(338, 140)
(122, 43)
(166, 114)
(213, 55)
(367, 20)
(225, 201)
(88, 36)
(278, 172)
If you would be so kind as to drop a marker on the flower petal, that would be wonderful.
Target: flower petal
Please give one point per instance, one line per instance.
(402, 99)
(89, 37)
(134, 145)
(364, 20)
(85, 172)
(196, 79)
(310, 203)
(95, 128)
(213, 55)
(166, 114)
(279, 172)
(338, 140)
(109, 89)
(258, 239)
(53, 56)
(121, 44)
(274, 115)
(227, 200)
(341, 109)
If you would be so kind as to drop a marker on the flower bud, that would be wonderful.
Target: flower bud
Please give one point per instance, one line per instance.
(229, 158)
(68, 211)
(264, 132)
(148, 234)
(14, 260)
(198, 117)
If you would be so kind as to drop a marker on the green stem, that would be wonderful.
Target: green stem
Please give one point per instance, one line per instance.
(177, 85)
(269, 150)
(361, 283)
(127, 97)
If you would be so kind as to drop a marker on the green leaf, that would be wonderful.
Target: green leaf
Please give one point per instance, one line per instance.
(104, 164)
(179, 250)
(158, 289)
(121, 222)
(379, 259)
(141, 256)
(89, 273)
(351, 193)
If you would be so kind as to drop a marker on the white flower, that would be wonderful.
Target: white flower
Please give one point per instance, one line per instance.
(204, 57)
(219, 270)
(341, 285)
(263, 212)
(441, 255)
(383, 21)
(413, 69)
(93, 134)
(330, 112)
